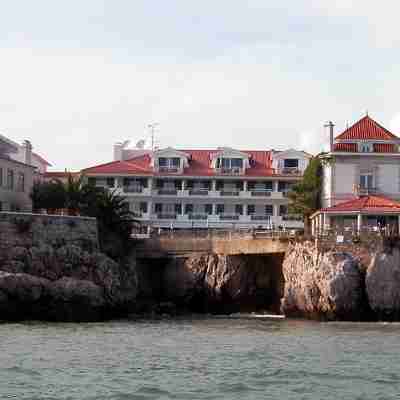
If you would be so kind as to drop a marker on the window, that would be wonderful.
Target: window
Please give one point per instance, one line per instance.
(110, 182)
(10, 179)
(175, 162)
(162, 162)
(365, 147)
(366, 180)
(251, 209)
(283, 210)
(236, 163)
(269, 209)
(178, 208)
(158, 208)
(188, 208)
(21, 182)
(208, 209)
(291, 163)
(239, 209)
(228, 163)
(143, 207)
(220, 209)
(1, 177)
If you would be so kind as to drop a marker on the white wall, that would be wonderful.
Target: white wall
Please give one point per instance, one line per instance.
(389, 178)
(345, 178)
(327, 185)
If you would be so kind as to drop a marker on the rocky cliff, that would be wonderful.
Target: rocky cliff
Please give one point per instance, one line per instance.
(322, 285)
(336, 285)
(64, 283)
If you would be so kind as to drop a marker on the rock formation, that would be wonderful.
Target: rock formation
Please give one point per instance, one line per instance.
(383, 284)
(327, 286)
(224, 284)
(65, 283)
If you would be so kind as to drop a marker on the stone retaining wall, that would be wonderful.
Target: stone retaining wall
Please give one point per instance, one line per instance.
(27, 230)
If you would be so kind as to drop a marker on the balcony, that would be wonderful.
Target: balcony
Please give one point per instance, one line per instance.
(261, 193)
(292, 217)
(229, 192)
(290, 171)
(167, 192)
(166, 216)
(229, 171)
(168, 170)
(133, 189)
(260, 217)
(229, 217)
(198, 216)
(198, 192)
(364, 191)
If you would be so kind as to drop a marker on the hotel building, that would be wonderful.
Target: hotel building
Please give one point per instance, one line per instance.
(218, 188)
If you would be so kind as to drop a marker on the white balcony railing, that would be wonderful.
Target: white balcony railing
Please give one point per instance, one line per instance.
(290, 171)
(260, 217)
(198, 216)
(198, 192)
(169, 192)
(229, 217)
(168, 170)
(229, 192)
(261, 193)
(229, 171)
(133, 189)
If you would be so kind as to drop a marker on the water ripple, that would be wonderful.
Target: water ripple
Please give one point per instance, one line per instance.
(205, 358)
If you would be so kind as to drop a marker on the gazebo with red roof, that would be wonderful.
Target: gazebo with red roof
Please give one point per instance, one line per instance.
(363, 212)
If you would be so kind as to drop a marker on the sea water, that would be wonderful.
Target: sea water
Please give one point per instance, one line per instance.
(200, 358)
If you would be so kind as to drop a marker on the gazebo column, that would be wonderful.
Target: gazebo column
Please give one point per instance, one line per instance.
(327, 221)
(321, 223)
(313, 226)
(359, 222)
(398, 218)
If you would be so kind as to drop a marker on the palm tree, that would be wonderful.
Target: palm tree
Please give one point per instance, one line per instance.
(74, 190)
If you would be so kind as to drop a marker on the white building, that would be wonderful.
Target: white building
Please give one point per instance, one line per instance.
(16, 178)
(361, 178)
(204, 188)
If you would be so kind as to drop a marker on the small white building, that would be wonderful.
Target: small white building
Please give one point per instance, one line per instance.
(361, 178)
(16, 178)
(218, 188)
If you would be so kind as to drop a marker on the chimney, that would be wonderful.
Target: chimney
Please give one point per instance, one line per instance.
(118, 147)
(27, 152)
(330, 125)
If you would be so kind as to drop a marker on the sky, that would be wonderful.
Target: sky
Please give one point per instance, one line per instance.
(78, 75)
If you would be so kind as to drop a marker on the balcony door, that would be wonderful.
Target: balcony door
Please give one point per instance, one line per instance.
(366, 181)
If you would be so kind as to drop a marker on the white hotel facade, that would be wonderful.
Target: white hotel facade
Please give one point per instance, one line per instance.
(221, 188)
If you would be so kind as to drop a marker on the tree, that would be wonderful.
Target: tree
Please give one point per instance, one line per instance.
(48, 195)
(74, 192)
(306, 195)
(114, 219)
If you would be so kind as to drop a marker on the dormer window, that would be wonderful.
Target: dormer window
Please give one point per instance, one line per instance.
(228, 163)
(173, 162)
(365, 147)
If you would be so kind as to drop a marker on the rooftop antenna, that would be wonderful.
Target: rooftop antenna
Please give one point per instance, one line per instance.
(152, 128)
(330, 125)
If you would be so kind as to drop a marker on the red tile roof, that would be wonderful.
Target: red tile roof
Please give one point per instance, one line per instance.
(378, 147)
(369, 204)
(345, 147)
(138, 165)
(199, 165)
(385, 148)
(366, 129)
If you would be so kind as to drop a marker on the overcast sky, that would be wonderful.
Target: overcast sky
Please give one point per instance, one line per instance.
(78, 75)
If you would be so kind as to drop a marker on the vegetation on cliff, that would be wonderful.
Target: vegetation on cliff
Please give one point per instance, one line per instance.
(115, 221)
(306, 195)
